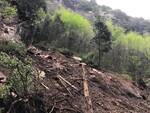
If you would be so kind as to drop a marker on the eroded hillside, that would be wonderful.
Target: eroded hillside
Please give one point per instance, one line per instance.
(48, 81)
(63, 82)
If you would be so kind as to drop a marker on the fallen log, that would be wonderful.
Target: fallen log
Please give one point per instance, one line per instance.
(60, 77)
(88, 102)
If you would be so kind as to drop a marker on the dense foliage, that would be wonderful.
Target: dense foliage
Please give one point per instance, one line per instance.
(65, 29)
(129, 54)
(27, 8)
(31, 13)
(7, 11)
(12, 57)
(118, 17)
(12, 47)
(21, 76)
(78, 30)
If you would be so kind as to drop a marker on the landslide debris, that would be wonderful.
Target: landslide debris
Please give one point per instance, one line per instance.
(61, 84)
(64, 92)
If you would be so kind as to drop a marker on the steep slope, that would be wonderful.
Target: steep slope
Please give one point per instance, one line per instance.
(64, 91)
(61, 79)
(60, 82)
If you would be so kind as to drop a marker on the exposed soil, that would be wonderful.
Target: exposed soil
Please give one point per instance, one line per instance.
(62, 90)
(109, 93)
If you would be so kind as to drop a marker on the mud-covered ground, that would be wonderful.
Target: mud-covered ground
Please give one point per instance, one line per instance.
(63, 84)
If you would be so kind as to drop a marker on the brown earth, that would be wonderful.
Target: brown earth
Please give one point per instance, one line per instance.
(64, 92)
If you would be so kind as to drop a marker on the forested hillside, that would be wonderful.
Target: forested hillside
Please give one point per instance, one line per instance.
(113, 46)
(72, 56)
(118, 17)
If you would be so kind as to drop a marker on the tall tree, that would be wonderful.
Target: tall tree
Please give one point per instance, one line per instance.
(27, 9)
(102, 38)
(28, 12)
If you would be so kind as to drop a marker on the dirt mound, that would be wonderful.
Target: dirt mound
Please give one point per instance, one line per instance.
(65, 92)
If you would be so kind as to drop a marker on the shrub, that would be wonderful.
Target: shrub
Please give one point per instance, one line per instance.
(41, 15)
(9, 12)
(12, 47)
(21, 77)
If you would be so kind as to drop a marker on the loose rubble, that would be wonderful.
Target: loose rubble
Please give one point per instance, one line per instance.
(64, 91)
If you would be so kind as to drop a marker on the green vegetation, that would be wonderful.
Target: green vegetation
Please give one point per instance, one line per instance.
(21, 77)
(12, 47)
(65, 29)
(104, 45)
(77, 31)
(129, 54)
(102, 39)
(75, 22)
(101, 44)
(22, 70)
(7, 11)
(27, 9)
(22, 81)
(32, 12)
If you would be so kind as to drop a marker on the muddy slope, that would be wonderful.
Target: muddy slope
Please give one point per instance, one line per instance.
(63, 84)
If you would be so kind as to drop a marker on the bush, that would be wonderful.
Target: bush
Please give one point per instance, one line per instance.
(49, 30)
(9, 12)
(12, 47)
(21, 77)
(91, 59)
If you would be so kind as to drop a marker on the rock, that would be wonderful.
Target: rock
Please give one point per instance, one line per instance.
(2, 78)
(33, 50)
(42, 74)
